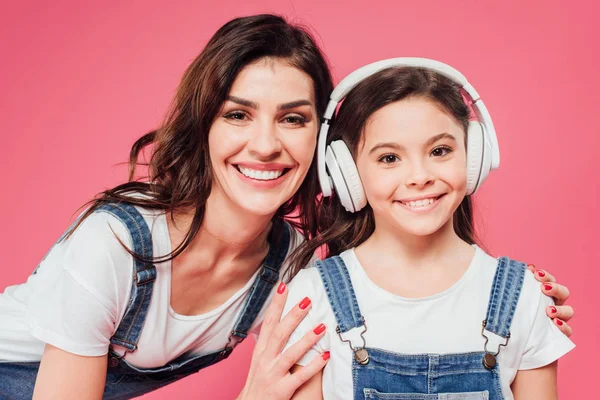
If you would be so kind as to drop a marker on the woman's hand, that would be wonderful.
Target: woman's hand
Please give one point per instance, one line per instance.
(561, 313)
(269, 377)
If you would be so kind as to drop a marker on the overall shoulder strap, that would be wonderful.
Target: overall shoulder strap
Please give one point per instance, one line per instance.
(504, 296)
(340, 293)
(279, 243)
(144, 274)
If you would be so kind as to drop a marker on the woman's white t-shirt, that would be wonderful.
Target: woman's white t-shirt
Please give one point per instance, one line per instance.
(447, 322)
(79, 294)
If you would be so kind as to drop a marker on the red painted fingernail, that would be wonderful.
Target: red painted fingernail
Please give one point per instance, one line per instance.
(304, 303)
(319, 329)
(325, 356)
(559, 322)
(548, 287)
(553, 309)
(541, 273)
(281, 288)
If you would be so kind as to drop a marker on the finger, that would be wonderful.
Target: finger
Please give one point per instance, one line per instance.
(564, 327)
(543, 276)
(531, 267)
(302, 375)
(564, 313)
(282, 331)
(272, 317)
(292, 355)
(556, 290)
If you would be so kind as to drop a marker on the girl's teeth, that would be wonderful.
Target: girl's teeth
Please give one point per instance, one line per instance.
(260, 175)
(420, 203)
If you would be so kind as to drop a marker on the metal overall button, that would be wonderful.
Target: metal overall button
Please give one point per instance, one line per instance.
(113, 362)
(489, 359)
(361, 355)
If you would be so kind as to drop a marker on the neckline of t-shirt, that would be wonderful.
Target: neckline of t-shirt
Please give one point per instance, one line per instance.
(209, 314)
(476, 261)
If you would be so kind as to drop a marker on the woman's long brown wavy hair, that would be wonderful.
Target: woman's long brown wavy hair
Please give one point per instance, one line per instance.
(339, 230)
(179, 171)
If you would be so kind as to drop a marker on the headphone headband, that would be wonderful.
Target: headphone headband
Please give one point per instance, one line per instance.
(352, 80)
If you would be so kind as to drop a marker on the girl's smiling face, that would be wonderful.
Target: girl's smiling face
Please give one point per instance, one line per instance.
(412, 163)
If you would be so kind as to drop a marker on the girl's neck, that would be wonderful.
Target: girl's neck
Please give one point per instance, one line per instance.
(400, 247)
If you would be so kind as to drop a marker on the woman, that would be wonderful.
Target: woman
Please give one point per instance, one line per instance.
(205, 236)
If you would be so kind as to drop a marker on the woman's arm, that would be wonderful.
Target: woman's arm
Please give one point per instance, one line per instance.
(312, 389)
(64, 375)
(534, 384)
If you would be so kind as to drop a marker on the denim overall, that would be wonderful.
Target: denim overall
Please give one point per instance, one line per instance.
(380, 374)
(123, 380)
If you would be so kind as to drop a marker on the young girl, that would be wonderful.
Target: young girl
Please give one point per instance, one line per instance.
(414, 308)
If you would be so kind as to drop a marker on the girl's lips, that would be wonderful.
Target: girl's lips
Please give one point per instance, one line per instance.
(422, 205)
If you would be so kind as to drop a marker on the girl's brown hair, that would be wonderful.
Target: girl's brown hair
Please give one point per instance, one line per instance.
(339, 230)
(179, 171)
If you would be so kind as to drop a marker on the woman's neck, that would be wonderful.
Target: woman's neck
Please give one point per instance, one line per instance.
(227, 231)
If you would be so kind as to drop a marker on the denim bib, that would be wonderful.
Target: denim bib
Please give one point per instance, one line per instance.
(381, 374)
(123, 380)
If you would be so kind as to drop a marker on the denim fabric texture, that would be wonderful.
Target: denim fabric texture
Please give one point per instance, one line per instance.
(125, 381)
(393, 376)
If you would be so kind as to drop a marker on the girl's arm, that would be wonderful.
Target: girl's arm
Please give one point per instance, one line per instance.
(311, 390)
(64, 375)
(534, 384)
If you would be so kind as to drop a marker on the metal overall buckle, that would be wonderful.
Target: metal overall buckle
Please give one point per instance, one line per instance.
(489, 358)
(231, 343)
(361, 355)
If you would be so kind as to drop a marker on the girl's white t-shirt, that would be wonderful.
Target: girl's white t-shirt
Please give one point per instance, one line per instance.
(447, 322)
(79, 295)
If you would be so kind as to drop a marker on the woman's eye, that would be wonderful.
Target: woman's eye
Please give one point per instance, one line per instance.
(440, 151)
(236, 115)
(389, 159)
(294, 120)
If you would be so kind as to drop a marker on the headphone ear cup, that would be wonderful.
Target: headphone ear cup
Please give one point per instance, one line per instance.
(475, 150)
(337, 180)
(350, 178)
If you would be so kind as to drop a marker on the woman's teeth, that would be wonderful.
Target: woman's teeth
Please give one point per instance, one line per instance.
(260, 175)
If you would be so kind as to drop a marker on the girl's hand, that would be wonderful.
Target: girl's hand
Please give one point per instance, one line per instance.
(269, 377)
(560, 313)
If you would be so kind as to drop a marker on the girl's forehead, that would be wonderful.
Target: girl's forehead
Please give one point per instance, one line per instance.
(411, 120)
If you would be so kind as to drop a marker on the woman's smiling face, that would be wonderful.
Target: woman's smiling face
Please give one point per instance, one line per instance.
(262, 142)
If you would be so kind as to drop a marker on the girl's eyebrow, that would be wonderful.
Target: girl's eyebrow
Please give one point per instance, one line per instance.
(435, 138)
(396, 146)
(284, 106)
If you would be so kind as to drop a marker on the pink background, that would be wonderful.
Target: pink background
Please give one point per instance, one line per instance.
(81, 81)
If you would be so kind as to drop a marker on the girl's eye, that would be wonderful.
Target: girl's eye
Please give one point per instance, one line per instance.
(441, 151)
(236, 116)
(389, 159)
(294, 120)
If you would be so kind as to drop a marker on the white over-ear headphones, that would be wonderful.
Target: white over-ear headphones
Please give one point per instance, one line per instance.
(336, 167)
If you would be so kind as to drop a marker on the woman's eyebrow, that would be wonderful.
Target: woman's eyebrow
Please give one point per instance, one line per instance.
(294, 104)
(243, 102)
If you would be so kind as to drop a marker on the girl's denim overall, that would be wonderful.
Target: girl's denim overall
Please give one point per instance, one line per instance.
(124, 381)
(392, 376)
